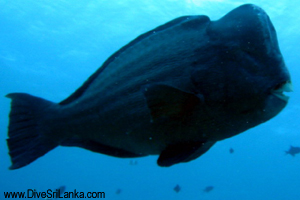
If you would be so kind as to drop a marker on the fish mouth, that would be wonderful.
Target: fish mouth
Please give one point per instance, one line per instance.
(279, 90)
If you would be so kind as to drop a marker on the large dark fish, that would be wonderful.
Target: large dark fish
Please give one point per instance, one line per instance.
(173, 91)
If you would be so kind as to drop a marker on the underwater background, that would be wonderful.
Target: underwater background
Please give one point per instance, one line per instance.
(48, 48)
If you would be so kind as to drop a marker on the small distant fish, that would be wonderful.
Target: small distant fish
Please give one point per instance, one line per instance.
(293, 151)
(177, 188)
(208, 189)
(133, 162)
(60, 191)
(118, 191)
(231, 150)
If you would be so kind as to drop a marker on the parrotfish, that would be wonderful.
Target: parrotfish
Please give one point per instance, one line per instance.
(173, 91)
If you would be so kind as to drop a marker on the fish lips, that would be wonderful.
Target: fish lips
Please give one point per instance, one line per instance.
(276, 101)
(279, 90)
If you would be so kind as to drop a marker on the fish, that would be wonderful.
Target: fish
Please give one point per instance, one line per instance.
(231, 150)
(293, 151)
(133, 162)
(177, 188)
(173, 91)
(208, 189)
(58, 193)
(118, 191)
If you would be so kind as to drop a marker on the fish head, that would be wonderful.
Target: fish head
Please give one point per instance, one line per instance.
(242, 69)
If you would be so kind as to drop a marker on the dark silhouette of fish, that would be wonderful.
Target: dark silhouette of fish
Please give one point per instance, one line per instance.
(208, 189)
(177, 188)
(173, 91)
(59, 192)
(231, 150)
(118, 191)
(293, 151)
(133, 162)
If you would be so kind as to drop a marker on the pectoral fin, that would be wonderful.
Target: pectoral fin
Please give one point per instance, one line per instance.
(168, 102)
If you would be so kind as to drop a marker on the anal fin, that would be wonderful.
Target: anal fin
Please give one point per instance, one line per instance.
(183, 152)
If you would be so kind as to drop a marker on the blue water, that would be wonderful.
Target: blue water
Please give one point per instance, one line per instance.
(49, 48)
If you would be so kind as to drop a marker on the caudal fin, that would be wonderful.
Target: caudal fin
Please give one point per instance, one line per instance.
(26, 141)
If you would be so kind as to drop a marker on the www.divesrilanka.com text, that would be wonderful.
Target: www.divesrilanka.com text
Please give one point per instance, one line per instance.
(32, 193)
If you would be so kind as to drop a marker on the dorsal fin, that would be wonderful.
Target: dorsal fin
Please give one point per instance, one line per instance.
(200, 19)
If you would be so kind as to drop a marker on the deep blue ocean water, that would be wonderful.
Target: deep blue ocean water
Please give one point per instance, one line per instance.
(49, 48)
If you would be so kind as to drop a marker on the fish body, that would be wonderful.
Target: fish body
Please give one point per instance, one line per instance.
(173, 91)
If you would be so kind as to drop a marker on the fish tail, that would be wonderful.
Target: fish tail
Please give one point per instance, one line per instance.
(26, 141)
